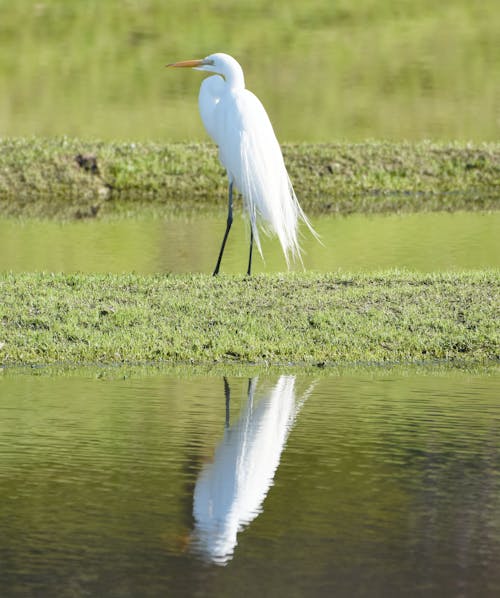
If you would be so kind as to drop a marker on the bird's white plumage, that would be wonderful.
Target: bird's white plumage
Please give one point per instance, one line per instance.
(248, 149)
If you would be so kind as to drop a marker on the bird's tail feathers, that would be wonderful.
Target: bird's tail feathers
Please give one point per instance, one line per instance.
(270, 199)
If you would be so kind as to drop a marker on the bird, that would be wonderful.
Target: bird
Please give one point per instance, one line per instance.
(238, 123)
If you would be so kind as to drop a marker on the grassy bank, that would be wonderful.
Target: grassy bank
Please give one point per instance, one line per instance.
(300, 319)
(67, 178)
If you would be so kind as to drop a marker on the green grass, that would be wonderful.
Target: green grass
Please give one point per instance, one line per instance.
(325, 70)
(279, 319)
(41, 177)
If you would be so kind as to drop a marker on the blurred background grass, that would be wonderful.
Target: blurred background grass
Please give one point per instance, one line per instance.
(324, 70)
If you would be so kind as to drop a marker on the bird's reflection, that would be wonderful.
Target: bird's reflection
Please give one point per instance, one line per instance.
(230, 491)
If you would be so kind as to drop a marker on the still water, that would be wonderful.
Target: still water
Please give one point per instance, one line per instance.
(169, 483)
(423, 242)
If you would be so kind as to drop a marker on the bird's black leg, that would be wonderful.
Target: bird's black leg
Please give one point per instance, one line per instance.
(251, 250)
(227, 395)
(228, 227)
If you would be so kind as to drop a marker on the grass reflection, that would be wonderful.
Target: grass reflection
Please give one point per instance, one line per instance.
(423, 241)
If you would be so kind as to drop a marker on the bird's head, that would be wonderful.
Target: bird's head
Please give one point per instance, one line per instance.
(219, 63)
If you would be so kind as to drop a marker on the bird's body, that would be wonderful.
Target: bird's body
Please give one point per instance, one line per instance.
(249, 151)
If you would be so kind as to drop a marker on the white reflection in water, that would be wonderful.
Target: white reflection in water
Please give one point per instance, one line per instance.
(230, 491)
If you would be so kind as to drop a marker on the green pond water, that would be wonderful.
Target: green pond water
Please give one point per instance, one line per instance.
(159, 483)
(424, 242)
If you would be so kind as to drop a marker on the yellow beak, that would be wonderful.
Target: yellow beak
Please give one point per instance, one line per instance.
(186, 64)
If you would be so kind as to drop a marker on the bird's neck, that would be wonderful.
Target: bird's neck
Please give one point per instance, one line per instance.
(234, 77)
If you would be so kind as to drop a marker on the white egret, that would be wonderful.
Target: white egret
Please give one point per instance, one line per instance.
(249, 151)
